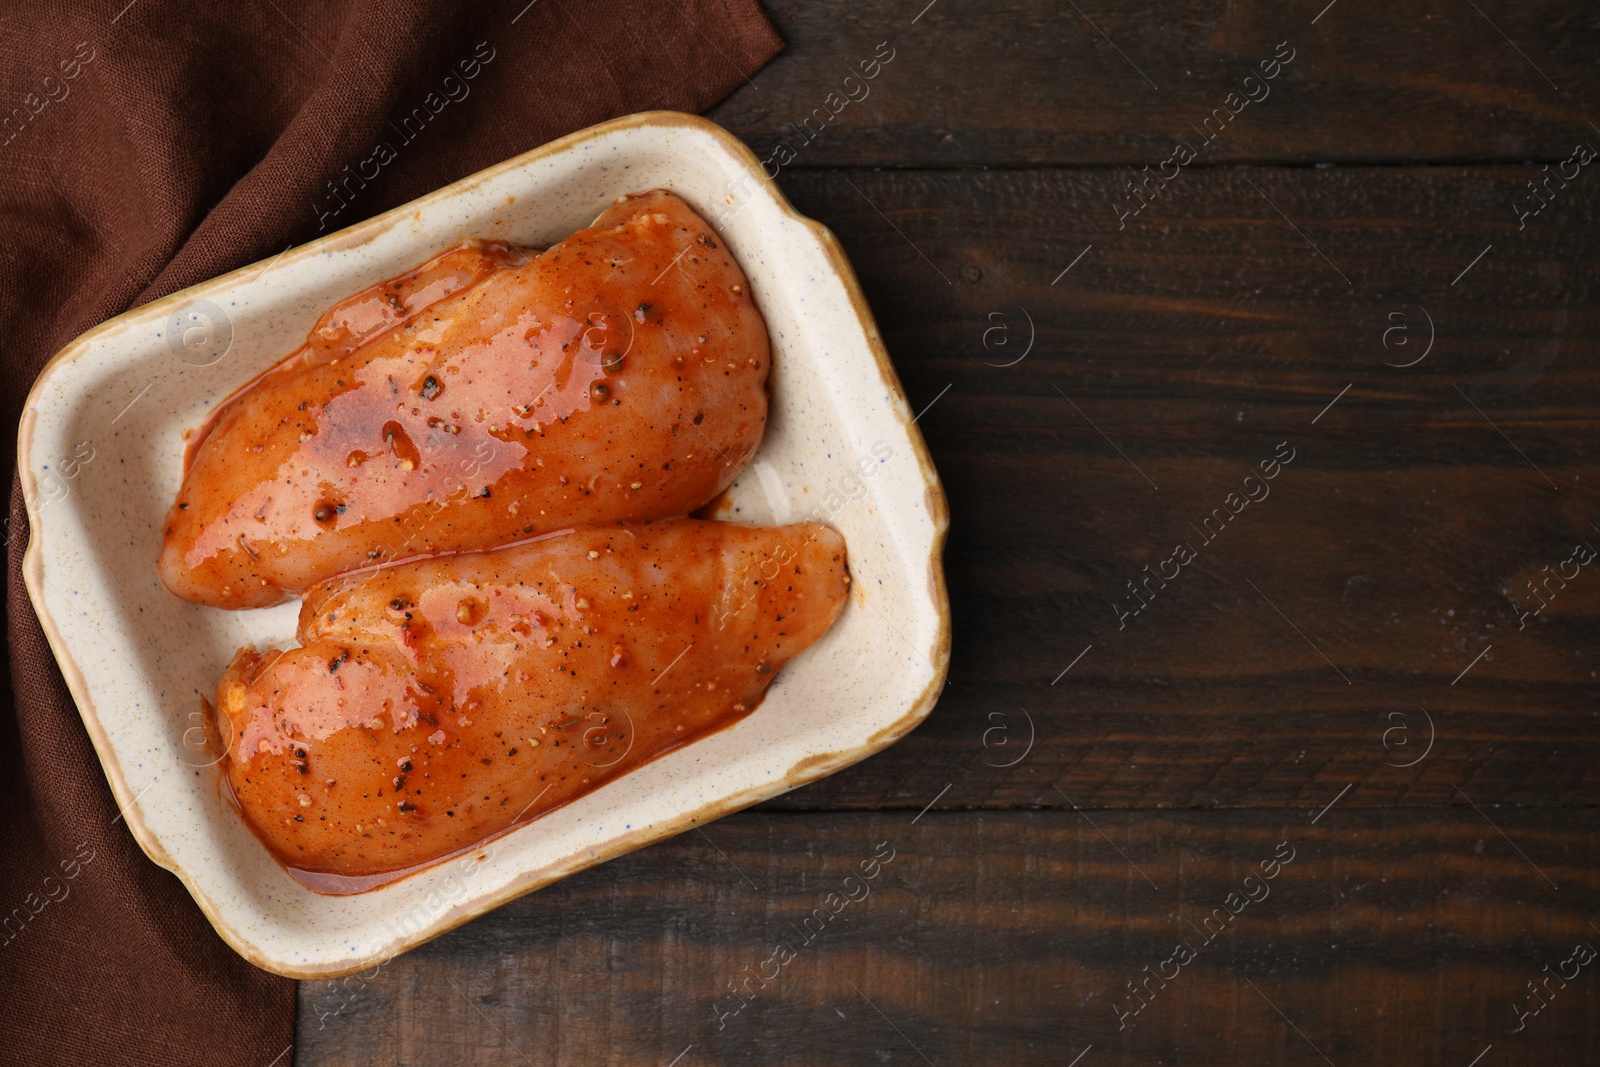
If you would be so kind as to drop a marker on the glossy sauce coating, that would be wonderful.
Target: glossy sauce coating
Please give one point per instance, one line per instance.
(482, 398)
(434, 704)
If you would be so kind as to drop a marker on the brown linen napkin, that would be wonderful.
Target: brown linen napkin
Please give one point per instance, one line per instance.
(147, 146)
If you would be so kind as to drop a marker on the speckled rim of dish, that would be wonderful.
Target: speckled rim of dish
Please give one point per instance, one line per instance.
(805, 771)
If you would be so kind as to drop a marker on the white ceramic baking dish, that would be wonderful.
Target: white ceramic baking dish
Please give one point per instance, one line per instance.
(101, 456)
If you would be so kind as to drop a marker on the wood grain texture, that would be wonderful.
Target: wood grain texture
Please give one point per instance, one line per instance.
(1350, 664)
(1040, 83)
(1388, 938)
(1313, 638)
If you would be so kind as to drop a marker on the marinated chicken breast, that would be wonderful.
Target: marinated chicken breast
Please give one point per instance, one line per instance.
(482, 398)
(434, 704)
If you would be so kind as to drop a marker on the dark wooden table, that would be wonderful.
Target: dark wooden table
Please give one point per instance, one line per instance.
(1324, 788)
